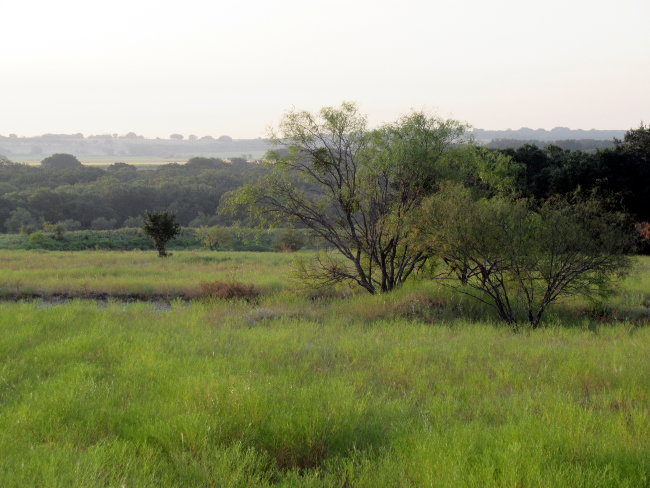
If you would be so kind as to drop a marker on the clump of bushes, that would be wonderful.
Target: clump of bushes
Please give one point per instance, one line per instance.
(236, 238)
(288, 240)
(228, 290)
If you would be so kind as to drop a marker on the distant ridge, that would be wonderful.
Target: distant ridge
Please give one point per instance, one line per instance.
(555, 134)
(114, 147)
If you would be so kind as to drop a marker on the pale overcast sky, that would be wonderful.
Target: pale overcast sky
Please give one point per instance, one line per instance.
(213, 68)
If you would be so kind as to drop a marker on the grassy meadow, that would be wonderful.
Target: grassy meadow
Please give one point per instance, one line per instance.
(296, 388)
(140, 274)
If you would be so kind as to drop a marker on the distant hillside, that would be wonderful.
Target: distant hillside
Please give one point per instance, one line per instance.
(589, 145)
(130, 145)
(555, 134)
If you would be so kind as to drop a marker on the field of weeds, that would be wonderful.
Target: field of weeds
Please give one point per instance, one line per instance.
(293, 387)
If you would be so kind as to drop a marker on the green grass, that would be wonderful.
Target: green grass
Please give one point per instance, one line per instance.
(415, 388)
(141, 273)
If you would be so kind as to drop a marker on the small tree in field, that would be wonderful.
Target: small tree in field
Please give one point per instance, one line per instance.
(518, 257)
(161, 227)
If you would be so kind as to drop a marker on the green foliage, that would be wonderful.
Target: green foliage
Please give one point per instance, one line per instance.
(102, 223)
(194, 191)
(55, 230)
(637, 141)
(621, 173)
(215, 237)
(161, 227)
(120, 192)
(205, 163)
(20, 219)
(289, 240)
(513, 254)
(486, 172)
(37, 238)
(61, 161)
(119, 239)
(353, 188)
(70, 224)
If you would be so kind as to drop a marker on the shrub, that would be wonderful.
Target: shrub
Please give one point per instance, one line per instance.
(289, 240)
(216, 237)
(516, 255)
(37, 238)
(132, 222)
(70, 224)
(56, 231)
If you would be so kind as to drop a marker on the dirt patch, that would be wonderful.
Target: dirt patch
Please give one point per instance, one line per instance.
(100, 297)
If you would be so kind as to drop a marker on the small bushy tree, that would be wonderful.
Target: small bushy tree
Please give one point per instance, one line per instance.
(517, 257)
(161, 227)
(215, 237)
(289, 240)
(56, 230)
(132, 222)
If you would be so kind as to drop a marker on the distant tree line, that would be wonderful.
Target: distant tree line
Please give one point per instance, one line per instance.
(83, 197)
(590, 145)
(620, 174)
(131, 144)
(63, 191)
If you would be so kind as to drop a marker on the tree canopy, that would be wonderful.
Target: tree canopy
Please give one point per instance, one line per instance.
(518, 255)
(61, 161)
(161, 227)
(353, 187)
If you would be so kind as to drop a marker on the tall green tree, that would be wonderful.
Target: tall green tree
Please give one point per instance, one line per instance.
(354, 188)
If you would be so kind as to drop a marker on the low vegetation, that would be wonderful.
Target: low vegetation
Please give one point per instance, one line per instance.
(233, 238)
(419, 387)
(135, 274)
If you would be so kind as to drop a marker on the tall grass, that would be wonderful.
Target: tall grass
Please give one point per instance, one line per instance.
(137, 273)
(230, 394)
(419, 387)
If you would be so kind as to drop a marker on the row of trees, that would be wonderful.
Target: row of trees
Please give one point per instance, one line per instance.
(414, 196)
(620, 174)
(81, 197)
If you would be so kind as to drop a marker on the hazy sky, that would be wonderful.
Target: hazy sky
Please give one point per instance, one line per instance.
(213, 68)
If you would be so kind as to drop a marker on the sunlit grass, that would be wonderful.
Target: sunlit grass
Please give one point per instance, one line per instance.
(25, 273)
(213, 395)
(419, 387)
